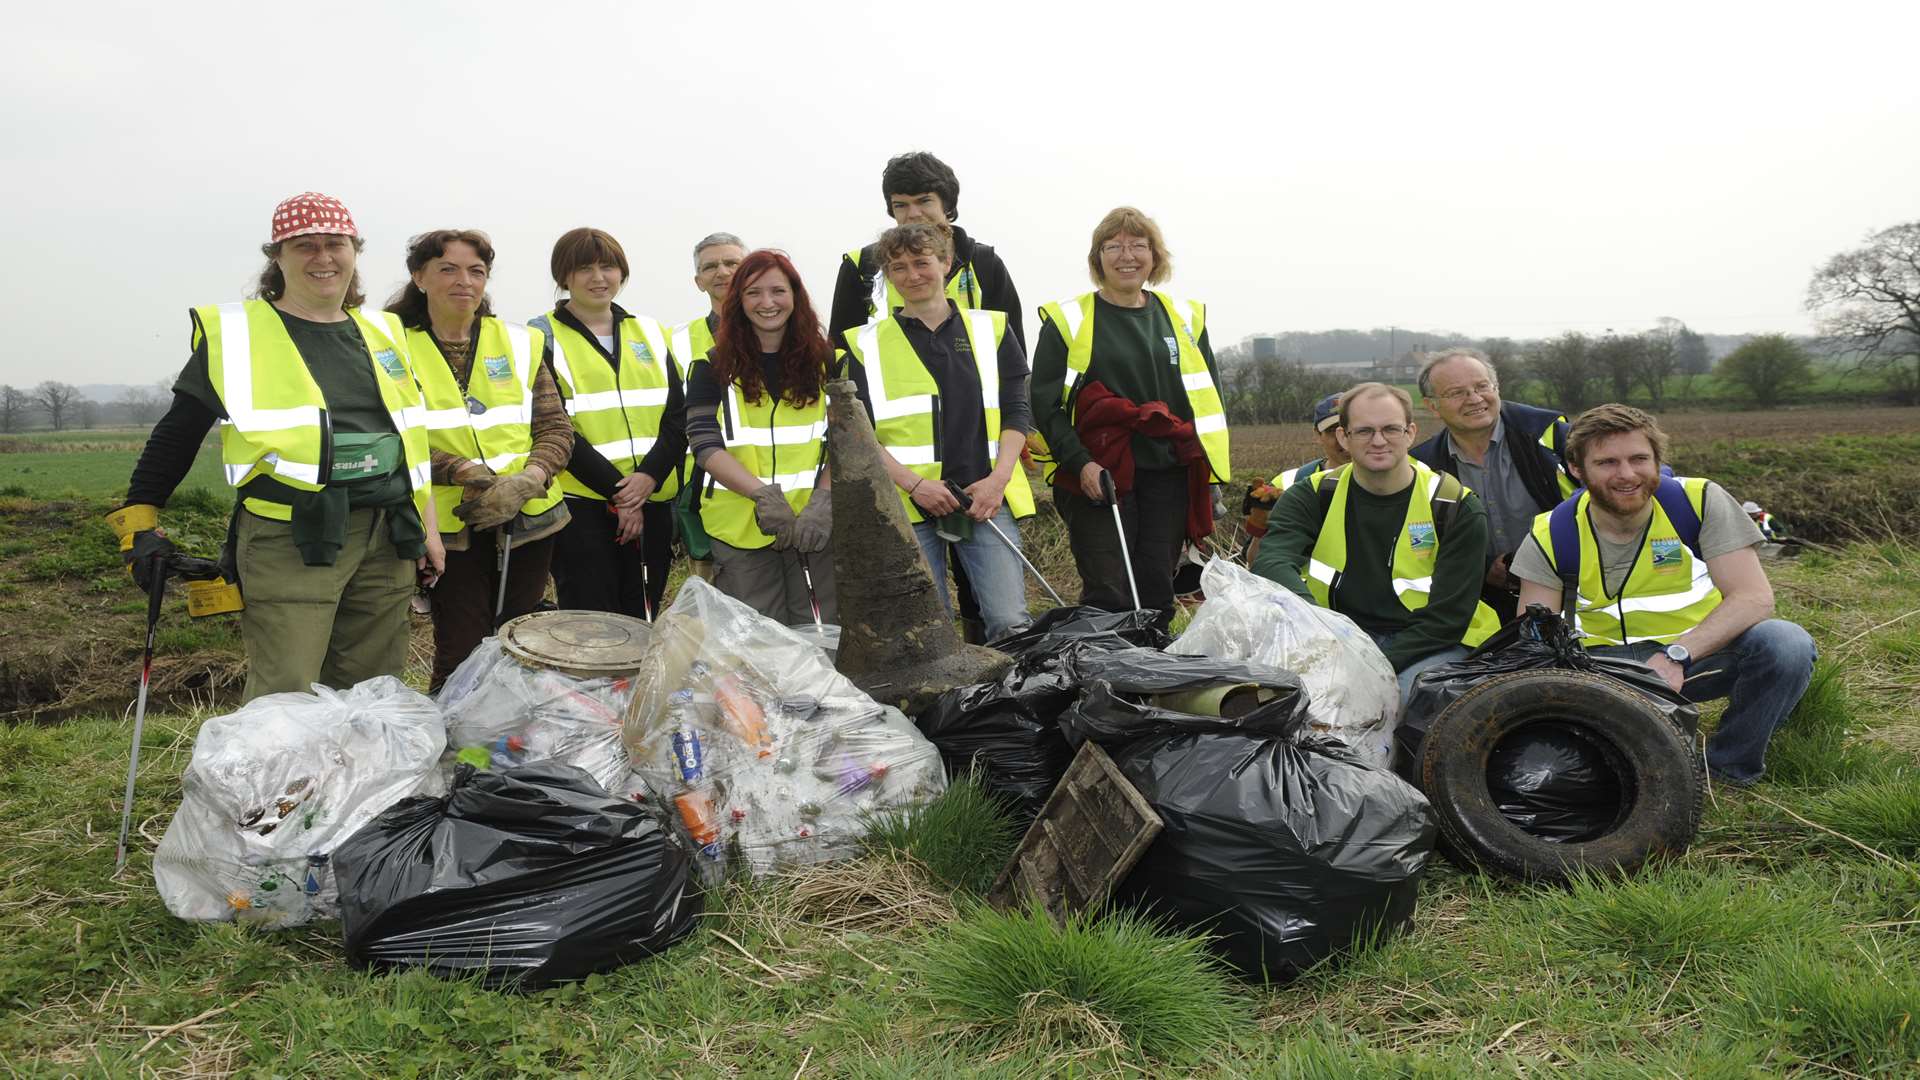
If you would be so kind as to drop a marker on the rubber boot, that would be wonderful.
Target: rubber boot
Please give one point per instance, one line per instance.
(973, 631)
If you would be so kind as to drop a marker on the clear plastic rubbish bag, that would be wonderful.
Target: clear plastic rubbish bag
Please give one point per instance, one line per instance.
(1352, 694)
(758, 750)
(501, 712)
(273, 788)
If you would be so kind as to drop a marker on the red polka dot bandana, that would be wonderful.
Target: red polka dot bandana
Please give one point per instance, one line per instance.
(311, 212)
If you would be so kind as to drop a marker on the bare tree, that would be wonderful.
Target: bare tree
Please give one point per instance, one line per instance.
(1870, 303)
(1616, 358)
(143, 404)
(1274, 391)
(1691, 353)
(1509, 366)
(1660, 357)
(14, 403)
(1564, 366)
(58, 400)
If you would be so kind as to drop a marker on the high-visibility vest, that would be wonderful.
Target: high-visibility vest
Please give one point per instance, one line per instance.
(688, 342)
(1667, 592)
(883, 299)
(1416, 549)
(1299, 472)
(505, 358)
(903, 394)
(1073, 320)
(779, 443)
(277, 421)
(619, 414)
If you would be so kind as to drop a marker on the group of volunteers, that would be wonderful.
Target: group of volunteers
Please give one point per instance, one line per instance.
(427, 443)
(1431, 546)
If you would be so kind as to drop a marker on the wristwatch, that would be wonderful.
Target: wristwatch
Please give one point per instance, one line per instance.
(1678, 654)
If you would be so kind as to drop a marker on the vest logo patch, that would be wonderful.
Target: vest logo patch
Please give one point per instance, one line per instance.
(965, 281)
(641, 352)
(389, 362)
(1667, 554)
(1173, 350)
(498, 368)
(1421, 537)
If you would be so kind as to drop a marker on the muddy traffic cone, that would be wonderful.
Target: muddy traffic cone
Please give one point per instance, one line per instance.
(897, 642)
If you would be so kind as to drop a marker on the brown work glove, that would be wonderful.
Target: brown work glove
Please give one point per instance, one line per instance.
(813, 530)
(491, 501)
(774, 516)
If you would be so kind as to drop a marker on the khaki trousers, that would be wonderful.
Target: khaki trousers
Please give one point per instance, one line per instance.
(335, 625)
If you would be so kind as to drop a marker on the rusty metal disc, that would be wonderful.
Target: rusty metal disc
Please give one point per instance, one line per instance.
(586, 644)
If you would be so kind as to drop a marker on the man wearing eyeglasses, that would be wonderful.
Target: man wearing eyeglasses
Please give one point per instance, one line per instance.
(1508, 453)
(1386, 541)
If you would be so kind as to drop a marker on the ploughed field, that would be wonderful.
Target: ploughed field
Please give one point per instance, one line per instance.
(1787, 942)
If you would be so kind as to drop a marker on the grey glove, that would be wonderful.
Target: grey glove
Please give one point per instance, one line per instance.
(813, 531)
(491, 501)
(774, 516)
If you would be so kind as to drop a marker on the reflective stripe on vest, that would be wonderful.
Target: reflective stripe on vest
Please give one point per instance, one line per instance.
(1415, 552)
(619, 414)
(963, 288)
(1667, 592)
(276, 415)
(1075, 323)
(902, 391)
(501, 378)
(788, 454)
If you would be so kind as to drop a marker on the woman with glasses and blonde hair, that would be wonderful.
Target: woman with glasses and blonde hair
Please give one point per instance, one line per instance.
(1126, 400)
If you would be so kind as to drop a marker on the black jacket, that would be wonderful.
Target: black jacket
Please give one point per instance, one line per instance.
(1539, 466)
(853, 289)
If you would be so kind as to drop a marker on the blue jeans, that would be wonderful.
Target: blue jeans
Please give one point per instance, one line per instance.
(1761, 673)
(995, 572)
(1432, 660)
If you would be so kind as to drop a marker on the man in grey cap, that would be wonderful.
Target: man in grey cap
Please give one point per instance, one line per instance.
(1260, 500)
(1769, 528)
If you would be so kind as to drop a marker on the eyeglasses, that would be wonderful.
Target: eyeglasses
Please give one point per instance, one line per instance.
(1132, 247)
(1391, 433)
(1458, 394)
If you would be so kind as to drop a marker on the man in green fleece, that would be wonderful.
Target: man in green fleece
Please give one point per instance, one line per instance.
(1386, 541)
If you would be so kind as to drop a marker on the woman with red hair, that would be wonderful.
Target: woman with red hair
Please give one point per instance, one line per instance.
(757, 426)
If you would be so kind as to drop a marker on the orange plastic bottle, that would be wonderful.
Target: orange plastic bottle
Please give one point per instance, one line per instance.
(742, 715)
(696, 813)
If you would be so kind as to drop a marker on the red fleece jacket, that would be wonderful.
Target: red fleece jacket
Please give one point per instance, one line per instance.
(1107, 423)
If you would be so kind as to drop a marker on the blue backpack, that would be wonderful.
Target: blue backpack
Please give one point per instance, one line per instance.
(1563, 528)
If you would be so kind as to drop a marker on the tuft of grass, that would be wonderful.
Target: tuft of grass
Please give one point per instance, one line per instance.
(1900, 647)
(1812, 748)
(1662, 917)
(1100, 987)
(963, 837)
(1857, 1014)
(1883, 814)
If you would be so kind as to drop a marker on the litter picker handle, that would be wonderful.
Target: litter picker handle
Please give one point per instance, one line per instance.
(1106, 488)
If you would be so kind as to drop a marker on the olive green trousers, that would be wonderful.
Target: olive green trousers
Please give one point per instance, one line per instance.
(334, 625)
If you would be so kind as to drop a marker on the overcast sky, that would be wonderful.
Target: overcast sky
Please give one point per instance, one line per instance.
(1496, 169)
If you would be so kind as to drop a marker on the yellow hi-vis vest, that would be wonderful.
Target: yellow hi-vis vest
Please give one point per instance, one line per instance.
(1073, 319)
(777, 447)
(903, 393)
(1667, 592)
(277, 423)
(963, 289)
(505, 357)
(1292, 476)
(619, 414)
(688, 342)
(1415, 551)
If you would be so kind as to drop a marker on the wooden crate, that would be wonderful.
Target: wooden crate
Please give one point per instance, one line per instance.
(1094, 827)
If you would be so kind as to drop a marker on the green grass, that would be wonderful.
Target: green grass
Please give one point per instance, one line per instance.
(1812, 745)
(101, 473)
(1883, 814)
(1100, 988)
(964, 837)
(1854, 1010)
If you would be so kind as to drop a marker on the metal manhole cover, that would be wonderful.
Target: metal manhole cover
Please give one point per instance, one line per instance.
(589, 644)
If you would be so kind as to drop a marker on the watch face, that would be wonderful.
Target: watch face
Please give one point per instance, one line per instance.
(1678, 654)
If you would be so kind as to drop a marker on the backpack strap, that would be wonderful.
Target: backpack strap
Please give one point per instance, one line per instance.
(1563, 530)
(1452, 493)
(1672, 496)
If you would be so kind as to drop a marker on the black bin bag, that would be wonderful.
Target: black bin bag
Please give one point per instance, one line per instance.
(533, 875)
(1007, 731)
(1278, 842)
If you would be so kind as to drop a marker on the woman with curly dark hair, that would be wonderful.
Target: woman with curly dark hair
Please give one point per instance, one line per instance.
(757, 425)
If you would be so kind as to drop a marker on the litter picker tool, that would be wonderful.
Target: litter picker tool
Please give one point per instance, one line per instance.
(966, 501)
(806, 572)
(646, 587)
(156, 594)
(502, 554)
(1126, 558)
